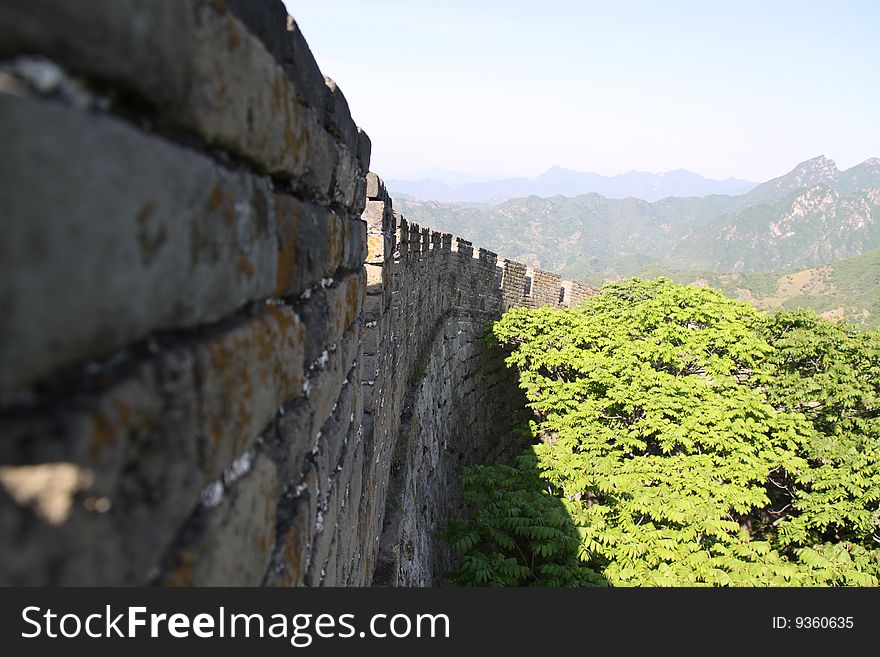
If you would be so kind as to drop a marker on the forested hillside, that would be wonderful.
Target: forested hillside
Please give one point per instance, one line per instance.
(812, 217)
(845, 289)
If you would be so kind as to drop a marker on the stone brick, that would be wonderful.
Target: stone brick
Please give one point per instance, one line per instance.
(245, 372)
(279, 33)
(325, 382)
(267, 20)
(302, 68)
(137, 235)
(311, 244)
(135, 449)
(375, 276)
(297, 512)
(364, 150)
(334, 431)
(351, 546)
(355, 251)
(373, 214)
(237, 537)
(344, 303)
(375, 188)
(338, 117)
(295, 440)
(115, 41)
(360, 195)
(345, 178)
(156, 50)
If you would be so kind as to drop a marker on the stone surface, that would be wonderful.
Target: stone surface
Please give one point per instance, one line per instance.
(338, 116)
(244, 373)
(109, 234)
(245, 101)
(135, 447)
(237, 535)
(311, 244)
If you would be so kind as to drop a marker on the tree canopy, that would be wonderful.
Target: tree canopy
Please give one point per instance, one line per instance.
(682, 438)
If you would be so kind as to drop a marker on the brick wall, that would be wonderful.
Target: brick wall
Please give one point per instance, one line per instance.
(224, 358)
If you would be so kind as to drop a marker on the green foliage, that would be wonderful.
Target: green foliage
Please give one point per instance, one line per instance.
(519, 535)
(687, 439)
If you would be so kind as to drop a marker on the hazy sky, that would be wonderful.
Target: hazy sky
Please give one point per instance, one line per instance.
(745, 89)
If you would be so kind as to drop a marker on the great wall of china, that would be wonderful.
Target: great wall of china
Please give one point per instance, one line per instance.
(224, 358)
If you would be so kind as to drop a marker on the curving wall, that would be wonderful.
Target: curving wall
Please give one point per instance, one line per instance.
(224, 358)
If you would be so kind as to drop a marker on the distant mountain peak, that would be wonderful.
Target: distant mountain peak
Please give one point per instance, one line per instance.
(809, 173)
(820, 164)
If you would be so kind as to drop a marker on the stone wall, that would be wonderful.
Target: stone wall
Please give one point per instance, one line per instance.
(438, 397)
(224, 358)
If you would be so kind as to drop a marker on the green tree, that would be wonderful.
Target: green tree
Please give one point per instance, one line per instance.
(690, 440)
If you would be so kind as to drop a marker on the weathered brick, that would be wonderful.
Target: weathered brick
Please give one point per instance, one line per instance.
(355, 251)
(364, 151)
(302, 68)
(311, 244)
(297, 512)
(326, 381)
(140, 235)
(245, 372)
(338, 116)
(158, 56)
(136, 450)
(294, 441)
(375, 187)
(236, 537)
(373, 214)
(345, 177)
(344, 303)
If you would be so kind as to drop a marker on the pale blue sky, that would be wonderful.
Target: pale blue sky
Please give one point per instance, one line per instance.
(745, 89)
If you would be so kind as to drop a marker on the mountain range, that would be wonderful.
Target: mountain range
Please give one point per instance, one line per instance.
(451, 186)
(808, 218)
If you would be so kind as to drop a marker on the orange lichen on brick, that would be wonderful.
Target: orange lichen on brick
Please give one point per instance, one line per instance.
(352, 299)
(292, 546)
(287, 213)
(375, 247)
(274, 347)
(103, 433)
(183, 574)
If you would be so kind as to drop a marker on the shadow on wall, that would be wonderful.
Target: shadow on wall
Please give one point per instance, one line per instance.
(514, 532)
